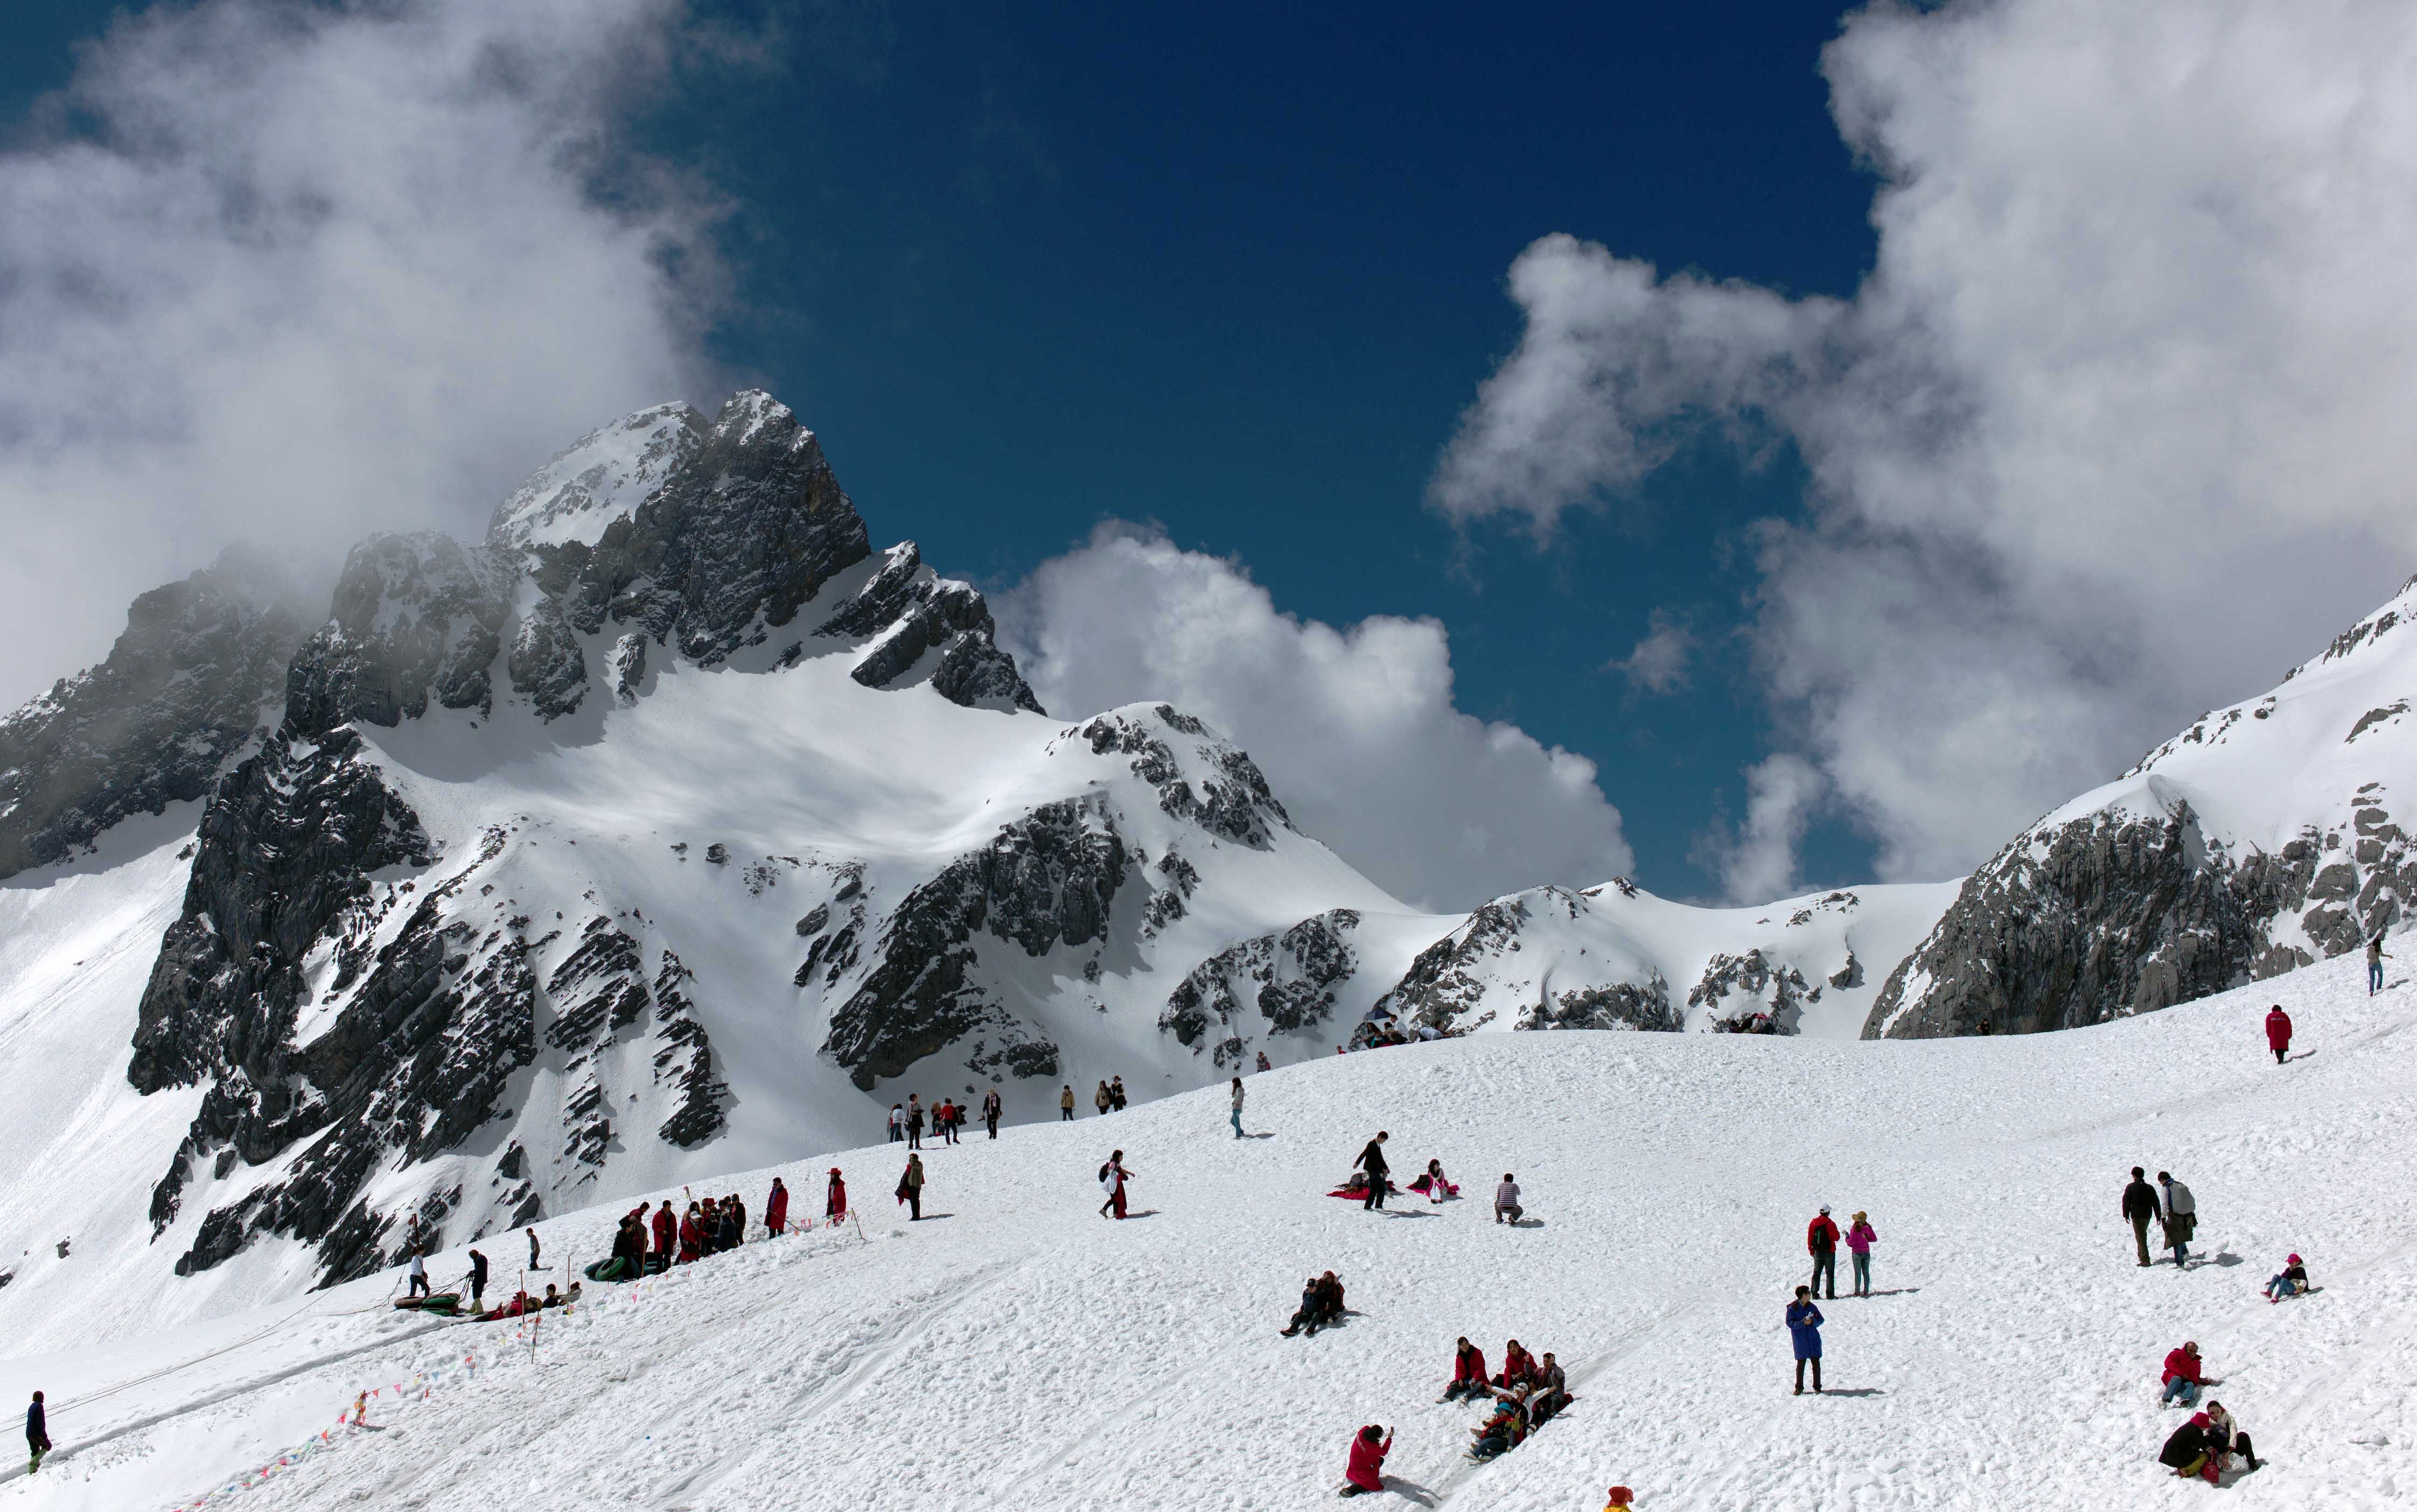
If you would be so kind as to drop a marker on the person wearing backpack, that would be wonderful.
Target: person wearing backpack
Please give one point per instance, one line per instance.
(910, 1188)
(2181, 1218)
(1112, 1178)
(1821, 1242)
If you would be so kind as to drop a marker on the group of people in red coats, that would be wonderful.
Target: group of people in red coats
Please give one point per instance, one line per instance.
(710, 1226)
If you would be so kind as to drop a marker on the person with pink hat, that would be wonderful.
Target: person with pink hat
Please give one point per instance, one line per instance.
(2289, 1281)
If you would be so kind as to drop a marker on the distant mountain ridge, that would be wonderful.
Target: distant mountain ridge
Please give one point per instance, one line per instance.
(672, 827)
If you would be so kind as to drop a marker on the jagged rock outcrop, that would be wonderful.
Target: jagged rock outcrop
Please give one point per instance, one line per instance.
(195, 677)
(547, 663)
(1048, 878)
(1289, 976)
(413, 617)
(908, 611)
(599, 478)
(1468, 978)
(1764, 986)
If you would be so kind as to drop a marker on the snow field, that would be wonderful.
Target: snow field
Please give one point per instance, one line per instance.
(1016, 1350)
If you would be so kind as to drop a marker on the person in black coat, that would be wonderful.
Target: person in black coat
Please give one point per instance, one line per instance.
(37, 1433)
(1372, 1160)
(2190, 1450)
(2140, 1205)
(478, 1281)
(1305, 1317)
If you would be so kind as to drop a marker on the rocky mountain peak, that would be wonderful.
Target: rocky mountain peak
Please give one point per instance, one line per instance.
(604, 475)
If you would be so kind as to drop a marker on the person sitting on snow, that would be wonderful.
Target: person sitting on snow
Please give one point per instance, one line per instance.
(2289, 1281)
(1505, 1429)
(1305, 1315)
(2184, 1376)
(1518, 1366)
(1467, 1373)
(1431, 1181)
(1552, 1390)
(2225, 1438)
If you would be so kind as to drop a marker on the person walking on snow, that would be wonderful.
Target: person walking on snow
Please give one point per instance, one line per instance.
(1372, 1160)
(1065, 1103)
(1821, 1242)
(835, 1196)
(2141, 1206)
(2183, 1375)
(2374, 960)
(37, 1433)
(1805, 1327)
(1859, 1244)
(991, 1110)
(910, 1188)
(418, 1275)
(1099, 1099)
(1117, 1093)
(1506, 1201)
(1366, 1471)
(478, 1281)
(2278, 1032)
(1112, 1179)
(2182, 1218)
(897, 1124)
(1238, 1107)
(776, 1209)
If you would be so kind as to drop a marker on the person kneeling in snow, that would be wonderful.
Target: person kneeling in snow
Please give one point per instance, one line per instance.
(2289, 1281)
(1468, 1373)
(1506, 1201)
(1365, 1472)
(2190, 1450)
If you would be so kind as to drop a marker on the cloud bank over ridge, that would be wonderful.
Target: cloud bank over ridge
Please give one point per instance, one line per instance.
(296, 273)
(2114, 431)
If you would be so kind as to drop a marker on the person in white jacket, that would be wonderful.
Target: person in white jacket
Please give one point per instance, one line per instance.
(2182, 1218)
(1238, 1107)
(1506, 1201)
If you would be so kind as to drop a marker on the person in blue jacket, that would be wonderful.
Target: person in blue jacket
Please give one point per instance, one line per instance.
(1804, 1324)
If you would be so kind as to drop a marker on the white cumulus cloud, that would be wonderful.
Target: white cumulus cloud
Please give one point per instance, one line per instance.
(2114, 431)
(1355, 728)
(291, 272)
(1757, 860)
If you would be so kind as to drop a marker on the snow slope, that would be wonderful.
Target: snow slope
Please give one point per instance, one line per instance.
(1014, 1349)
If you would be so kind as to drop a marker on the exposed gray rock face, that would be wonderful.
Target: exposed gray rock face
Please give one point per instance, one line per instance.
(414, 617)
(684, 1062)
(629, 668)
(1236, 803)
(599, 478)
(546, 662)
(1048, 878)
(1448, 982)
(908, 612)
(2114, 914)
(738, 535)
(179, 695)
(1290, 977)
(1764, 987)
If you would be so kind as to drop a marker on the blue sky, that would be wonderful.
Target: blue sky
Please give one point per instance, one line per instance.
(1028, 267)
(1976, 391)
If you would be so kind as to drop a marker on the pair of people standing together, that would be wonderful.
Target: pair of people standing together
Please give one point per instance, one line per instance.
(2177, 1212)
(1821, 1239)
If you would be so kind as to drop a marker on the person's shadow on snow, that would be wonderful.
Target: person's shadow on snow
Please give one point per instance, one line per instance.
(1258, 1136)
(1526, 1224)
(1893, 1291)
(1854, 1391)
(1144, 1212)
(1409, 1490)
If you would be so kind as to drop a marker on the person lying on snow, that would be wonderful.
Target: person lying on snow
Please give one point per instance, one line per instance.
(1504, 1428)
(1366, 1473)
(1468, 1373)
(521, 1302)
(1432, 1183)
(1354, 1187)
(2289, 1281)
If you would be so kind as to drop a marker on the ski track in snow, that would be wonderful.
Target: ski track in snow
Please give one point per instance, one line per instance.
(1022, 1352)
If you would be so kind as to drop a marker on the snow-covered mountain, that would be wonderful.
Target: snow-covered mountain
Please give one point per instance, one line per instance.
(2266, 836)
(672, 829)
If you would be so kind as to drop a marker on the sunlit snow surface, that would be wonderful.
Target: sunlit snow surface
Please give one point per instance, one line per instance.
(1015, 1350)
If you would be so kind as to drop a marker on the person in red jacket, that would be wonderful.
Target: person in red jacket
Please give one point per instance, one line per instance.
(1366, 1471)
(2183, 1376)
(666, 1232)
(1821, 1241)
(1517, 1365)
(692, 1242)
(2278, 1032)
(1468, 1373)
(835, 1202)
(776, 1208)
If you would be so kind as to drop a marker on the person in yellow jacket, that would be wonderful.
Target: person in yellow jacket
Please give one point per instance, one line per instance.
(1065, 1103)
